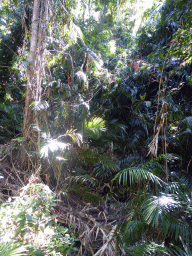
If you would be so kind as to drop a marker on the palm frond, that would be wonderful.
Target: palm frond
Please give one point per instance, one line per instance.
(90, 155)
(130, 160)
(147, 249)
(187, 121)
(173, 187)
(108, 247)
(76, 137)
(178, 228)
(94, 127)
(186, 247)
(136, 174)
(170, 157)
(162, 211)
(137, 137)
(52, 146)
(138, 122)
(134, 231)
(153, 145)
(87, 195)
(84, 179)
(157, 207)
(11, 249)
(183, 179)
(82, 79)
(157, 168)
(106, 166)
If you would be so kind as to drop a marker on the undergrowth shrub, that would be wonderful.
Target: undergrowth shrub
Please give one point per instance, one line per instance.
(28, 222)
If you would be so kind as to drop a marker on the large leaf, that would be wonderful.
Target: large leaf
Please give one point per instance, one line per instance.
(163, 211)
(11, 249)
(136, 174)
(95, 127)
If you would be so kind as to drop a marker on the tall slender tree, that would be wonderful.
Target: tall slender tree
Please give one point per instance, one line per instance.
(29, 114)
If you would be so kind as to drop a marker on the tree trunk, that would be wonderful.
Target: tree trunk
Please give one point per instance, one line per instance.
(117, 17)
(29, 117)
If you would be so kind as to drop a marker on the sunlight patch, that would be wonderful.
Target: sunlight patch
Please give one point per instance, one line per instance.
(167, 201)
(141, 7)
(52, 146)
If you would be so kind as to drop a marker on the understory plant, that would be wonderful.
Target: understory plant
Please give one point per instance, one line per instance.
(158, 220)
(28, 222)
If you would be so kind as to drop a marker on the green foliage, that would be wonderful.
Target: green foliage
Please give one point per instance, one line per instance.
(137, 175)
(103, 100)
(11, 249)
(94, 127)
(88, 196)
(105, 167)
(11, 91)
(163, 212)
(27, 221)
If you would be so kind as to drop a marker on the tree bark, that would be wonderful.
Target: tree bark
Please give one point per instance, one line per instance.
(34, 32)
(29, 119)
(117, 16)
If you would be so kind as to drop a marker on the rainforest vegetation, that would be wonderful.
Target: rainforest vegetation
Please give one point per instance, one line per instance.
(96, 127)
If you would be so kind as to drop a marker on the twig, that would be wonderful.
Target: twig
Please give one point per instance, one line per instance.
(3, 158)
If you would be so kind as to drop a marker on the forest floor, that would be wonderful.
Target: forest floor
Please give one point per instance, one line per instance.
(95, 224)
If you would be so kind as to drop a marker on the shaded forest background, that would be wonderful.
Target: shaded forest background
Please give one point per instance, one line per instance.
(96, 130)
